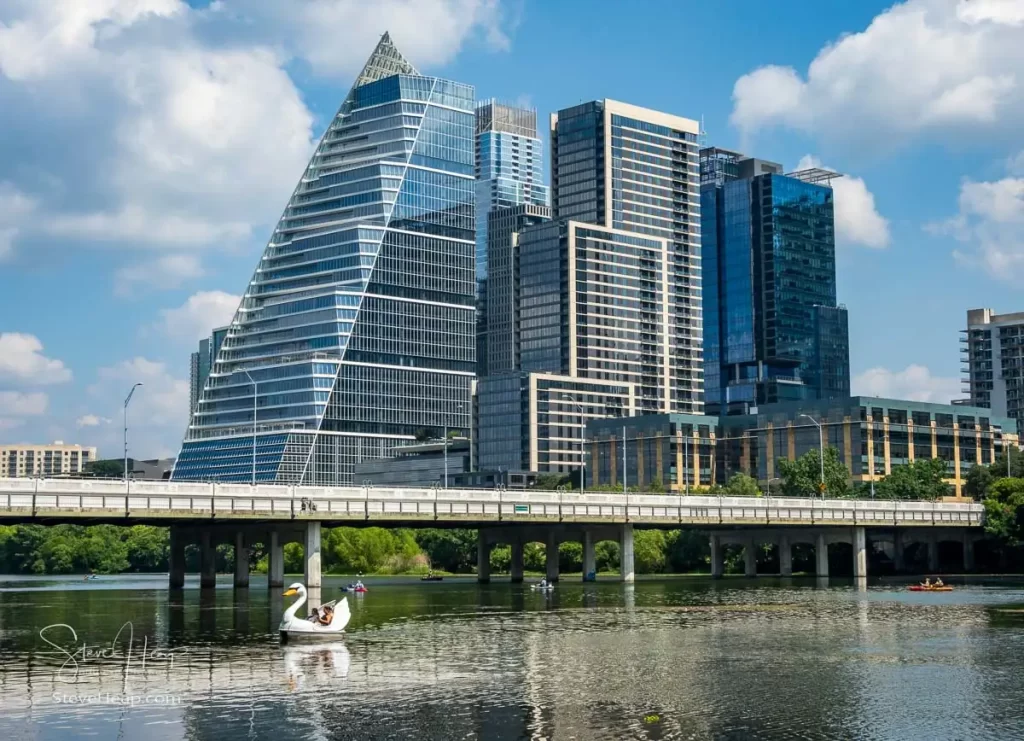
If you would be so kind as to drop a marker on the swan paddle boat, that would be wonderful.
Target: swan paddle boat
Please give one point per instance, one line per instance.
(293, 626)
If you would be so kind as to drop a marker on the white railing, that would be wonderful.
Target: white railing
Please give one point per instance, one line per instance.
(92, 498)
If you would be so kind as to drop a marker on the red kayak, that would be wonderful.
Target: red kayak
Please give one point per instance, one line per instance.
(923, 588)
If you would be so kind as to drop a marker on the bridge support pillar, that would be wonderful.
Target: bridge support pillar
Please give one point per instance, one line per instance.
(749, 558)
(176, 567)
(785, 556)
(311, 556)
(860, 553)
(821, 556)
(589, 557)
(207, 561)
(241, 561)
(551, 556)
(716, 556)
(626, 554)
(275, 560)
(516, 567)
(968, 552)
(897, 553)
(483, 558)
(933, 553)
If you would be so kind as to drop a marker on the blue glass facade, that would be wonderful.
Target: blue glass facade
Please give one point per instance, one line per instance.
(773, 328)
(356, 330)
(509, 174)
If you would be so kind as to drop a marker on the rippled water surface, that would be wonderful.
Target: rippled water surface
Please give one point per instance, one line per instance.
(678, 658)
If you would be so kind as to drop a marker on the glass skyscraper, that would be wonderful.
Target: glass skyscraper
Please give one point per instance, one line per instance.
(773, 331)
(509, 172)
(356, 332)
(636, 170)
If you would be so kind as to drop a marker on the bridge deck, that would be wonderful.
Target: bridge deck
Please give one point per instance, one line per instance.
(136, 501)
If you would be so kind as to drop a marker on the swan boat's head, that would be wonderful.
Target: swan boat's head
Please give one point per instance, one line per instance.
(294, 589)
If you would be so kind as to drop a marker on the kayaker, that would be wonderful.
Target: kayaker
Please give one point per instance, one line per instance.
(543, 584)
(938, 583)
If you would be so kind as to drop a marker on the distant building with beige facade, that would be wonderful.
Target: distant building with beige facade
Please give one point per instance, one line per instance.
(58, 459)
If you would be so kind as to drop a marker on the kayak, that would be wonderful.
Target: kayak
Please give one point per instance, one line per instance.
(354, 588)
(431, 578)
(922, 588)
(538, 587)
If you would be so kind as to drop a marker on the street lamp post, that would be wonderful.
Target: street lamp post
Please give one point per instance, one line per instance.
(821, 450)
(126, 402)
(583, 444)
(255, 393)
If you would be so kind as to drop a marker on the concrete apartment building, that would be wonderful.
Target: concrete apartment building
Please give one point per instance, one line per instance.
(58, 459)
(992, 350)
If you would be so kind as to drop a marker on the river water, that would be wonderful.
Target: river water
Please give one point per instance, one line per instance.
(678, 658)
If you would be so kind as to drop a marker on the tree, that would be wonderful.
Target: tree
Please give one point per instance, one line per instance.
(918, 480)
(105, 469)
(800, 478)
(1004, 511)
(1016, 463)
(656, 486)
(570, 556)
(742, 485)
(606, 555)
(449, 550)
(551, 481)
(649, 551)
(979, 478)
(687, 550)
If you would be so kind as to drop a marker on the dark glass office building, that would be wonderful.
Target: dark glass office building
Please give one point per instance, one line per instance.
(773, 331)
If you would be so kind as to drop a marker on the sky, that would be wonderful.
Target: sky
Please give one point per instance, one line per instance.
(147, 147)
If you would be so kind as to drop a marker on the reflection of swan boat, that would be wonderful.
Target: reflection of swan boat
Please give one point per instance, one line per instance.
(322, 661)
(292, 626)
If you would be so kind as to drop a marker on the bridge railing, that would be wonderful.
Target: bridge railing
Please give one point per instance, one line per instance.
(97, 498)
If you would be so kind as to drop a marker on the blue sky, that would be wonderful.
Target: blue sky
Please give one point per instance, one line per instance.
(147, 147)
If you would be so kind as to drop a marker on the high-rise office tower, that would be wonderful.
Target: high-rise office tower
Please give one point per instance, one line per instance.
(200, 363)
(636, 170)
(595, 305)
(509, 171)
(993, 352)
(356, 331)
(501, 317)
(772, 328)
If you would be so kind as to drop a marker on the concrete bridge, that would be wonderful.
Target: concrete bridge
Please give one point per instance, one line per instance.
(207, 514)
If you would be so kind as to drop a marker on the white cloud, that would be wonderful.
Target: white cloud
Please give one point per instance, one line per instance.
(14, 206)
(1010, 12)
(857, 219)
(428, 32)
(91, 420)
(1015, 164)
(920, 66)
(166, 271)
(201, 313)
(22, 359)
(18, 404)
(915, 382)
(990, 225)
(158, 413)
(196, 133)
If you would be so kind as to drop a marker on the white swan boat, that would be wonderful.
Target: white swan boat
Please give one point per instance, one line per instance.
(293, 626)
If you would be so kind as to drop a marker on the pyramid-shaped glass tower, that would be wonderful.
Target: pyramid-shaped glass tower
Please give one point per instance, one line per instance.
(356, 332)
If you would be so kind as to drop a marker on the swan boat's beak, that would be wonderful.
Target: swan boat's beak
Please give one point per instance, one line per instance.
(289, 593)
